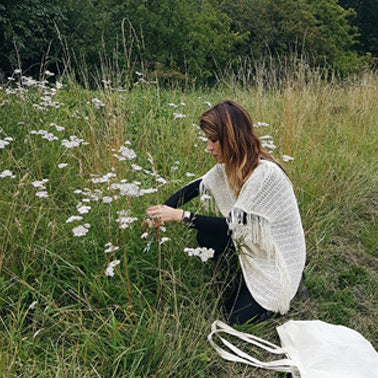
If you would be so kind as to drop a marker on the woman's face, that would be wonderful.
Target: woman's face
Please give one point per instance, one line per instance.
(214, 147)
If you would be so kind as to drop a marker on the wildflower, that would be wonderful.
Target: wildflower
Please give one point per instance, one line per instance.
(207, 103)
(50, 137)
(58, 85)
(126, 154)
(178, 116)
(287, 158)
(261, 124)
(111, 248)
(48, 73)
(62, 165)
(126, 189)
(58, 128)
(110, 269)
(74, 218)
(32, 306)
(144, 235)
(83, 209)
(188, 174)
(73, 142)
(3, 143)
(42, 194)
(174, 106)
(147, 191)
(203, 253)
(40, 184)
(164, 239)
(107, 199)
(204, 139)
(7, 173)
(81, 230)
(139, 73)
(267, 142)
(136, 167)
(124, 220)
(161, 180)
(97, 103)
(104, 178)
(205, 197)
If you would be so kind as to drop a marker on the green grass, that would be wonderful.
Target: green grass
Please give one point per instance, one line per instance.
(152, 318)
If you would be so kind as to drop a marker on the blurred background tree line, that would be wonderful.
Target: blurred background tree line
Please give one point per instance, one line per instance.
(190, 39)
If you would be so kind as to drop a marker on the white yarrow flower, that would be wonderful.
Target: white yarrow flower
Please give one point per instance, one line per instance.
(178, 116)
(83, 209)
(203, 253)
(40, 184)
(42, 194)
(111, 248)
(74, 218)
(261, 124)
(32, 306)
(7, 173)
(287, 158)
(164, 239)
(110, 269)
(81, 230)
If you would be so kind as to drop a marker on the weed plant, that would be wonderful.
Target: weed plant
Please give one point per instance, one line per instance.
(80, 295)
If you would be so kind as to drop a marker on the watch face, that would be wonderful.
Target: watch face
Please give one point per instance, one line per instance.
(186, 219)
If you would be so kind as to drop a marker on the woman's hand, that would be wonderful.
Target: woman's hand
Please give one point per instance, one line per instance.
(163, 213)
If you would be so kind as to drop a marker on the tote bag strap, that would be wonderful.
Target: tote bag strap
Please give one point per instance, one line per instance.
(236, 355)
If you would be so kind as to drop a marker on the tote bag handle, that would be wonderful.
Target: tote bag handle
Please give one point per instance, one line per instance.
(283, 365)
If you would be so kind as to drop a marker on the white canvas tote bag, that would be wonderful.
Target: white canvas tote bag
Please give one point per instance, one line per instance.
(311, 349)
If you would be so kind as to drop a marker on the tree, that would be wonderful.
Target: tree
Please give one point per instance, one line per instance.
(27, 33)
(366, 20)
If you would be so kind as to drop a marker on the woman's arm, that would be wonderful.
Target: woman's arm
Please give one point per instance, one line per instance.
(169, 212)
(184, 195)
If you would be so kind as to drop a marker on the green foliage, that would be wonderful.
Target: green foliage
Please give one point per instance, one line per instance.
(27, 33)
(192, 41)
(366, 20)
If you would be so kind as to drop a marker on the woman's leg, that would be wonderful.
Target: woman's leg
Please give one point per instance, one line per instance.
(220, 241)
(242, 307)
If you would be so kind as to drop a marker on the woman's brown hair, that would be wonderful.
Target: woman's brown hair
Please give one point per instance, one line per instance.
(231, 124)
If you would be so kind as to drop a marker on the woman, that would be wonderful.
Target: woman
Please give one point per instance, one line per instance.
(261, 221)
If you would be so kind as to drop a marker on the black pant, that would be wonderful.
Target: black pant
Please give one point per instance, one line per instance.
(240, 306)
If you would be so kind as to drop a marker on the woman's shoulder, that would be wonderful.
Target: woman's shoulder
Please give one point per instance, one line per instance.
(269, 170)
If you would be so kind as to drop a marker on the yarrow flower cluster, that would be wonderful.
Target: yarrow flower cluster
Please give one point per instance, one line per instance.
(110, 269)
(74, 141)
(124, 220)
(81, 230)
(203, 253)
(111, 248)
(7, 173)
(42, 193)
(4, 142)
(126, 154)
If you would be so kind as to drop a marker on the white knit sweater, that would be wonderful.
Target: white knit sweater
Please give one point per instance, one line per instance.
(270, 244)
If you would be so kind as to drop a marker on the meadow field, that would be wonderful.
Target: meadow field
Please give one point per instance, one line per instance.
(86, 291)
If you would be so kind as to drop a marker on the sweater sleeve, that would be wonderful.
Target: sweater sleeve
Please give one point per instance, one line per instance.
(184, 195)
(198, 222)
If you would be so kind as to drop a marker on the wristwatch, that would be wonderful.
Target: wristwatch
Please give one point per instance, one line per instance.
(186, 218)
